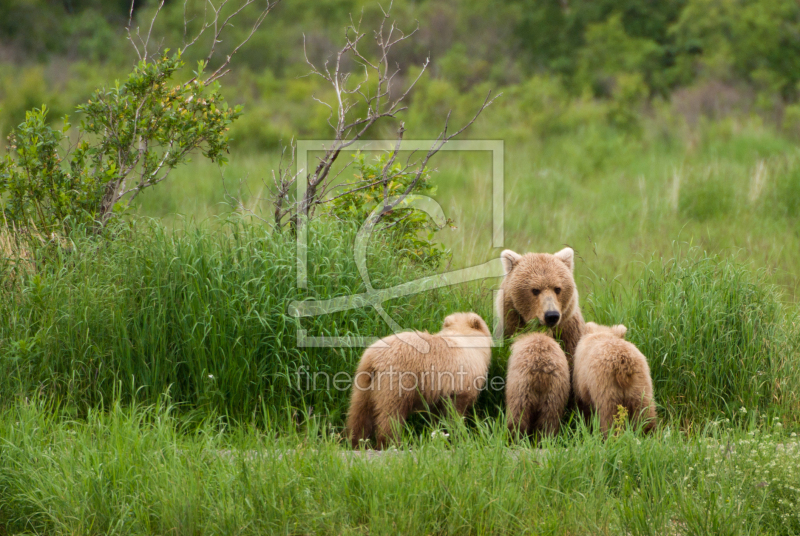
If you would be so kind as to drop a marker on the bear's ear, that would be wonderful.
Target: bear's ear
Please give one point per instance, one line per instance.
(568, 256)
(619, 330)
(476, 323)
(509, 259)
(590, 327)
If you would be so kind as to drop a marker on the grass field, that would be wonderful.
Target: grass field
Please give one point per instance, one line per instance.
(131, 471)
(165, 359)
(151, 377)
(730, 187)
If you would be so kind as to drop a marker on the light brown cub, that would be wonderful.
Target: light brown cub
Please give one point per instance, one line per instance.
(538, 385)
(540, 286)
(609, 372)
(396, 376)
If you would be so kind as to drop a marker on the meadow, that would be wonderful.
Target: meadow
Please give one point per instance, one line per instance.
(151, 380)
(134, 471)
(164, 356)
(729, 187)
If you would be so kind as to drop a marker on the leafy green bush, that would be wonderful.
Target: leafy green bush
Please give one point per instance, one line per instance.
(38, 189)
(409, 232)
(134, 134)
(754, 41)
(610, 52)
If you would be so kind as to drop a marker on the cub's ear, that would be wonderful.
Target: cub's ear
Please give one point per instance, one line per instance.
(590, 327)
(476, 323)
(509, 259)
(568, 256)
(619, 330)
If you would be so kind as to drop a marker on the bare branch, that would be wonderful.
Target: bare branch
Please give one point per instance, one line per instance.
(437, 145)
(283, 182)
(222, 70)
(357, 105)
(150, 31)
(355, 189)
(202, 30)
(390, 162)
(128, 30)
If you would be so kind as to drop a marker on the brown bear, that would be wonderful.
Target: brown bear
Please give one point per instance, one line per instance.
(396, 376)
(610, 372)
(538, 385)
(540, 286)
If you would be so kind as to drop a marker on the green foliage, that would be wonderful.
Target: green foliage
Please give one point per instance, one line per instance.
(39, 28)
(755, 41)
(636, 32)
(706, 197)
(670, 43)
(120, 318)
(618, 52)
(715, 334)
(117, 471)
(154, 310)
(38, 188)
(133, 135)
(409, 232)
(609, 52)
(628, 97)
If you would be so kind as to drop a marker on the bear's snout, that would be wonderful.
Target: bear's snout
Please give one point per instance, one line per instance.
(551, 318)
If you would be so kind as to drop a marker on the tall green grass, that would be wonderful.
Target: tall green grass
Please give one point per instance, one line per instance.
(715, 333)
(201, 314)
(132, 471)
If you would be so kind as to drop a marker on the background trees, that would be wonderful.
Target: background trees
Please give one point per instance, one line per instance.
(589, 46)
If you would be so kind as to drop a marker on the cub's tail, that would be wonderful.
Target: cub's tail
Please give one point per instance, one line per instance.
(624, 367)
(541, 372)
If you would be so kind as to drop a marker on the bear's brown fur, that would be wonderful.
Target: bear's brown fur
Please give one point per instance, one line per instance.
(610, 372)
(538, 385)
(540, 286)
(395, 376)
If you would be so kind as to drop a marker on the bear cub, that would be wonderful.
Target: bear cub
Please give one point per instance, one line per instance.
(610, 372)
(538, 385)
(396, 376)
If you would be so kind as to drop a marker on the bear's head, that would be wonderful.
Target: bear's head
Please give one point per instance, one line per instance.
(618, 330)
(465, 323)
(541, 286)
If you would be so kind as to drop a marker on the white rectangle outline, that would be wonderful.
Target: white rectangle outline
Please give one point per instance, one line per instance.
(496, 147)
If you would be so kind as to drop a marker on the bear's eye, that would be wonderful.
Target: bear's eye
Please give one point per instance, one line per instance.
(558, 290)
(536, 291)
